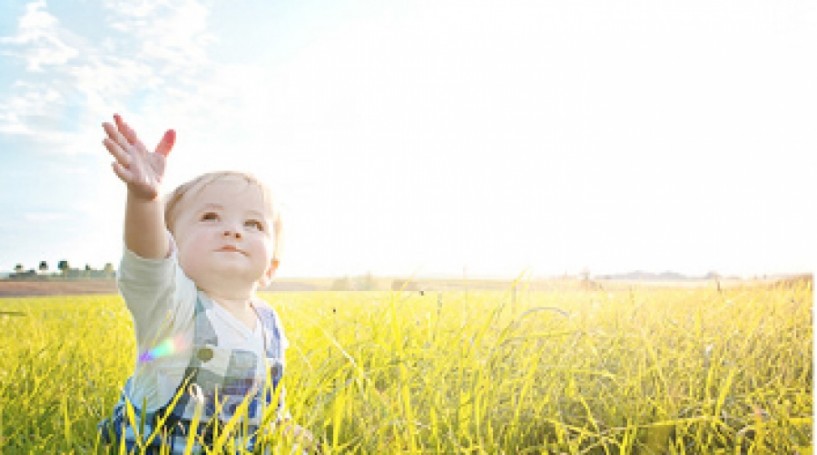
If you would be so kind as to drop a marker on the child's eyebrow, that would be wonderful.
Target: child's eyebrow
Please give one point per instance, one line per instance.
(211, 205)
(256, 213)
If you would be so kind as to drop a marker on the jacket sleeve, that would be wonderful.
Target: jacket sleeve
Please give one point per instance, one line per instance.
(158, 295)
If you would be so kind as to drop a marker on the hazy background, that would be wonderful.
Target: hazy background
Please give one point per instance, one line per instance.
(429, 137)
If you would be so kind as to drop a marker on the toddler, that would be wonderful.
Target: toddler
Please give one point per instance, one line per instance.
(209, 350)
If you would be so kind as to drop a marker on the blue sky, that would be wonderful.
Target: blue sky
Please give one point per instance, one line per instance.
(429, 137)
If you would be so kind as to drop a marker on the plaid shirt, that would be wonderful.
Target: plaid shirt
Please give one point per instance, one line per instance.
(217, 382)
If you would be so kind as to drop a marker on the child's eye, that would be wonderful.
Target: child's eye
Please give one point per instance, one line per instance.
(254, 224)
(209, 216)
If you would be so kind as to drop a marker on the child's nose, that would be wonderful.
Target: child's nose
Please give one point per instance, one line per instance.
(232, 232)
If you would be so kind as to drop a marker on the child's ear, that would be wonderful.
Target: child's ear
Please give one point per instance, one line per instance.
(267, 278)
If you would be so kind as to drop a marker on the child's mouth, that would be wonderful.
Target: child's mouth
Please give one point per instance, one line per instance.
(230, 249)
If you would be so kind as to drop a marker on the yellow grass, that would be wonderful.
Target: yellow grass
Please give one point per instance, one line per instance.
(630, 370)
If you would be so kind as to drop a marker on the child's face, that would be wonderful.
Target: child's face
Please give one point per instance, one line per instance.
(223, 233)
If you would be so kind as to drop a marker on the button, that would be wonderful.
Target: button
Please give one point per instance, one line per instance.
(205, 354)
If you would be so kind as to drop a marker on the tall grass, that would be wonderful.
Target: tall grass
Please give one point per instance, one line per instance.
(626, 371)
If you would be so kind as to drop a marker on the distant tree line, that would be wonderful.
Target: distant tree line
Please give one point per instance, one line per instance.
(63, 271)
(369, 282)
(361, 283)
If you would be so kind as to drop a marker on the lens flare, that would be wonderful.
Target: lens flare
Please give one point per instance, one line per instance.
(165, 348)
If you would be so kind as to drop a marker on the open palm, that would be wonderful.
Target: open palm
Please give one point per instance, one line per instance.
(139, 168)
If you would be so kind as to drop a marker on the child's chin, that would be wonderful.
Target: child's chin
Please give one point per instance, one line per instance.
(225, 274)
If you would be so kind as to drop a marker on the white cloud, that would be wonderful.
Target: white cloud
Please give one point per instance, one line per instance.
(153, 58)
(39, 34)
(174, 36)
(10, 123)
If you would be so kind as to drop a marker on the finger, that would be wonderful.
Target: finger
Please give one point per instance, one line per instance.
(115, 135)
(121, 156)
(123, 128)
(166, 144)
(117, 119)
(128, 132)
(124, 174)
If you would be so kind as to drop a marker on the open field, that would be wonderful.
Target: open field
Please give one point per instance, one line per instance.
(56, 286)
(620, 370)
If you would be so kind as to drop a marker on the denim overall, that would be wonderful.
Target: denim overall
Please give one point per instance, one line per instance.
(217, 380)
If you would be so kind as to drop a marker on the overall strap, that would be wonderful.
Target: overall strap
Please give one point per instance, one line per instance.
(274, 352)
(203, 334)
(272, 331)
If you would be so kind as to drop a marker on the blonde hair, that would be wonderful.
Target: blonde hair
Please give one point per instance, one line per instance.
(174, 200)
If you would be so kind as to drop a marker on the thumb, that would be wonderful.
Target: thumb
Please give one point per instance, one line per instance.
(166, 144)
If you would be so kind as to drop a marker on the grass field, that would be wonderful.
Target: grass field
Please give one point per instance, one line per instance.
(632, 370)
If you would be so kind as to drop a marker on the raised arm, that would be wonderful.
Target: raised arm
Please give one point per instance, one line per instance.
(142, 171)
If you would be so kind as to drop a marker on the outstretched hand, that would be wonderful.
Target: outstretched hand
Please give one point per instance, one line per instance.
(140, 169)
